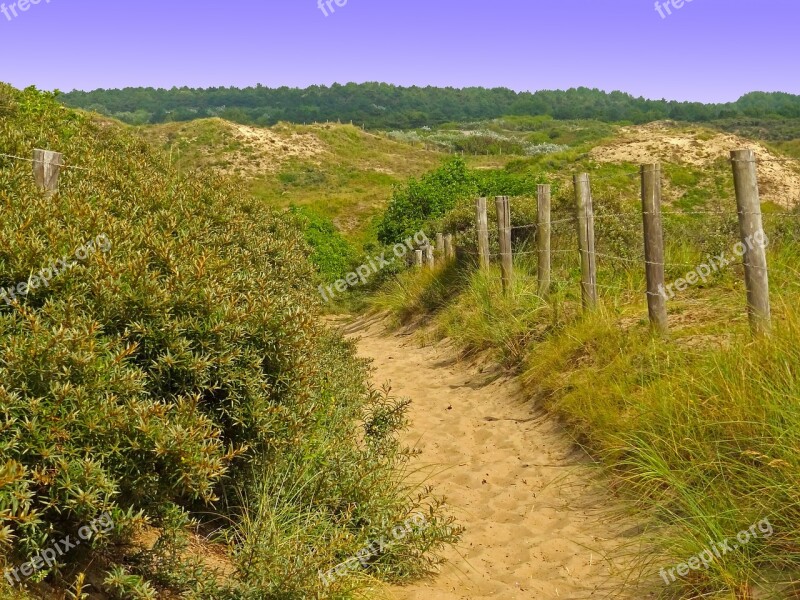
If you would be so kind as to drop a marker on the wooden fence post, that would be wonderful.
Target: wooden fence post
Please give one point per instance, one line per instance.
(754, 240)
(440, 246)
(583, 197)
(46, 168)
(430, 260)
(418, 258)
(543, 235)
(449, 249)
(654, 246)
(504, 229)
(482, 227)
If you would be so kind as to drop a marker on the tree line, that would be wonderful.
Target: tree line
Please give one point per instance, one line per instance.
(385, 106)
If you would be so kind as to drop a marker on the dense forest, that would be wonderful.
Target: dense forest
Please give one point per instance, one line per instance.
(383, 106)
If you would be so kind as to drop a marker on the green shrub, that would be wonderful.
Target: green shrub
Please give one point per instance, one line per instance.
(151, 379)
(331, 253)
(421, 204)
(422, 199)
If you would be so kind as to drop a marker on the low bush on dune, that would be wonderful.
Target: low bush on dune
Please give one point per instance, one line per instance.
(173, 372)
(423, 202)
(331, 253)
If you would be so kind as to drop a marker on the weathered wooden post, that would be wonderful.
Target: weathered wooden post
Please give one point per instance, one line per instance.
(449, 248)
(543, 235)
(430, 260)
(504, 229)
(583, 197)
(482, 227)
(654, 246)
(46, 168)
(440, 246)
(418, 258)
(754, 240)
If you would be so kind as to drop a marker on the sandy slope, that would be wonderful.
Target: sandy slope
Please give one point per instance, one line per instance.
(510, 476)
(663, 141)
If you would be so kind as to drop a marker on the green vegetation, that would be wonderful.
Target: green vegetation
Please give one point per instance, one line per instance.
(340, 171)
(475, 142)
(545, 129)
(383, 106)
(419, 204)
(182, 381)
(331, 253)
(700, 430)
(520, 135)
(773, 129)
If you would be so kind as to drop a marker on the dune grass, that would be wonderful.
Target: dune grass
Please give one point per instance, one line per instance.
(700, 430)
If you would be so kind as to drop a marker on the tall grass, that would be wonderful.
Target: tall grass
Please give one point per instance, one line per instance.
(704, 437)
(701, 431)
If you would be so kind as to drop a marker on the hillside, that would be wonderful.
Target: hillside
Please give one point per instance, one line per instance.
(701, 151)
(698, 429)
(348, 174)
(342, 171)
(603, 374)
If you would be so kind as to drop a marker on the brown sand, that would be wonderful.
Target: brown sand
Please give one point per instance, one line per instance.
(664, 141)
(235, 149)
(511, 477)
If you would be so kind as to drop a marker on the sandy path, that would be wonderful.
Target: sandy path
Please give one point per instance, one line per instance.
(510, 476)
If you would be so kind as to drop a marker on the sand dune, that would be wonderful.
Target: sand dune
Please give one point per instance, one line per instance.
(663, 141)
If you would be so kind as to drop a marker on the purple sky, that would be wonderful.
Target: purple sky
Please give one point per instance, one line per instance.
(694, 54)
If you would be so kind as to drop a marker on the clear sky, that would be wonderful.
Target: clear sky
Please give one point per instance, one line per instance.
(707, 50)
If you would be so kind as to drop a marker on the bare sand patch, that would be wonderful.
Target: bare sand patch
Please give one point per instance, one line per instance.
(266, 150)
(663, 141)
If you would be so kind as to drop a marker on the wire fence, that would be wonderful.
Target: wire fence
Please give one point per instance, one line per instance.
(33, 160)
(648, 251)
(594, 234)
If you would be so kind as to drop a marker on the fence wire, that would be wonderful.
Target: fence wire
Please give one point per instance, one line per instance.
(30, 160)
